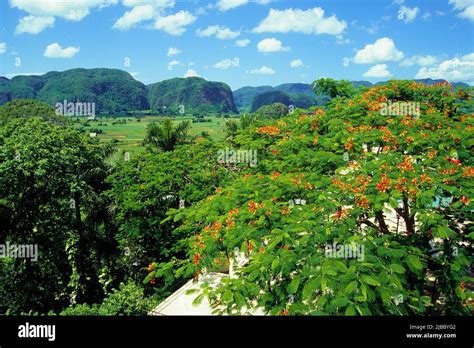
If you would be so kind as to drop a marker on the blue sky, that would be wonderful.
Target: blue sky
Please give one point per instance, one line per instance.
(242, 42)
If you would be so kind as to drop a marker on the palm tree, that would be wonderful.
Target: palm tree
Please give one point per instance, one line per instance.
(166, 135)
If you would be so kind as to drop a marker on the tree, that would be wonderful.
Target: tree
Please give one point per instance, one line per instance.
(393, 191)
(247, 120)
(51, 179)
(28, 108)
(272, 111)
(165, 135)
(333, 88)
(147, 187)
(231, 128)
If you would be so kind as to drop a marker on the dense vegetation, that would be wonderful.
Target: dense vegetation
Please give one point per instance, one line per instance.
(297, 100)
(117, 236)
(111, 90)
(115, 91)
(243, 96)
(276, 110)
(191, 95)
(29, 108)
(297, 94)
(301, 94)
(395, 164)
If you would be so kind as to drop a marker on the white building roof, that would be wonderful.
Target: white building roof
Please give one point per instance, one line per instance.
(180, 303)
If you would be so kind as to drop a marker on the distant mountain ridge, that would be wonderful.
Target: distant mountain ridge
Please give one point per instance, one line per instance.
(191, 95)
(297, 94)
(116, 91)
(112, 90)
(251, 98)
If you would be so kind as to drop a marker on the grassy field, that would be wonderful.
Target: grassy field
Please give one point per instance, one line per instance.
(131, 134)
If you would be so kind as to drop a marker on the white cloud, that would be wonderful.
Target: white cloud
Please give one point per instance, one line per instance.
(225, 5)
(173, 63)
(173, 51)
(466, 8)
(71, 10)
(42, 12)
(456, 69)
(142, 10)
(34, 25)
(222, 33)
(154, 3)
(242, 43)
(227, 63)
(191, 73)
(383, 50)
(175, 24)
(271, 45)
(296, 63)
(3, 47)
(407, 14)
(311, 21)
(54, 50)
(426, 16)
(264, 70)
(134, 16)
(419, 60)
(342, 41)
(379, 70)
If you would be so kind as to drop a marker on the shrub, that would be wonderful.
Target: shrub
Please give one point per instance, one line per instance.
(128, 300)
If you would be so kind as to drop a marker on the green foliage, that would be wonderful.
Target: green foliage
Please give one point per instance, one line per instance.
(51, 179)
(299, 95)
(128, 300)
(247, 121)
(112, 90)
(397, 189)
(165, 135)
(395, 166)
(334, 88)
(243, 96)
(272, 111)
(195, 94)
(231, 130)
(150, 185)
(269, 98)
(20, 87)
(28, 108)
(298, 100)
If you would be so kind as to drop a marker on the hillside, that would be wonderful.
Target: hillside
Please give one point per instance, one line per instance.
(243, 96)
(116, 91)
(301, 94)
(111, 90)
(268, 98)
(297, 94)
(304, 88)
(299, 100)
(196, 94)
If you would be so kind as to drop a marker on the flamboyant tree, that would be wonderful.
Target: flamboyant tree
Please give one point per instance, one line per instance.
(396, 189)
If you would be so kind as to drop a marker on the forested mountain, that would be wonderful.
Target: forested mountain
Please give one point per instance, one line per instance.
(243, 96)
(115, 91)
(112, 90)
(191, 95)
(299, 94)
